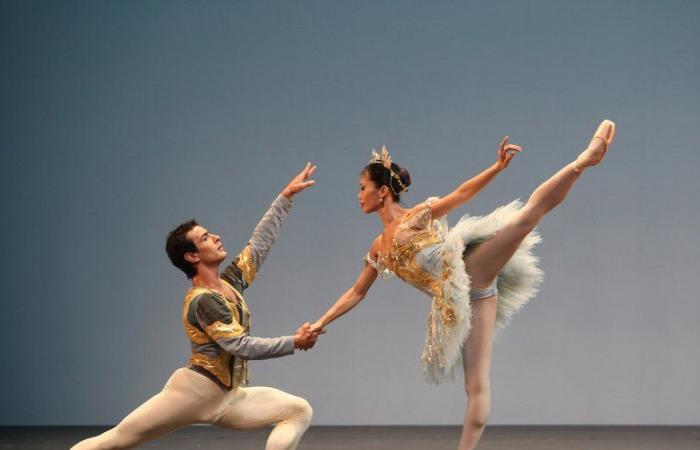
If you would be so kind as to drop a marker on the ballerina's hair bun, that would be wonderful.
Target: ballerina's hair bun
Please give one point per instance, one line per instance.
(404, 176)
(384, 172)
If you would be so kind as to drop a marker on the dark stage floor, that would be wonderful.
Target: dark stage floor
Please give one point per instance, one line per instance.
(390, 438)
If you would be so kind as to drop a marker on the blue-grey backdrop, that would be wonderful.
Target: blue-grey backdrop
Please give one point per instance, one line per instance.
(121, 119)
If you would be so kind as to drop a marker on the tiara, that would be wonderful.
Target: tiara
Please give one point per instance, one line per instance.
(384, 159)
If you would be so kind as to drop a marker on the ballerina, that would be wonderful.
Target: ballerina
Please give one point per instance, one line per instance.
(478, 273)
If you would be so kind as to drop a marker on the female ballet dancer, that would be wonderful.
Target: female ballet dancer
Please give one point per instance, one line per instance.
(478, 273)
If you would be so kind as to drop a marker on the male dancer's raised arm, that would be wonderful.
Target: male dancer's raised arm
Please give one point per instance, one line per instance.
(244, 268)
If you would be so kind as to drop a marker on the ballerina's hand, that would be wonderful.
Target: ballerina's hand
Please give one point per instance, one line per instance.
(318, 327)
(300, 182)
(506, 153)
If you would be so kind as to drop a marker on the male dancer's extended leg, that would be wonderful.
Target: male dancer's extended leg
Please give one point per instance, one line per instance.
(188, 397)
(255, 407)
(477, 364)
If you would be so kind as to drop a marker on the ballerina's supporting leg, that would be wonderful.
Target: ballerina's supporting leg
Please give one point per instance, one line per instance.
(477, 365)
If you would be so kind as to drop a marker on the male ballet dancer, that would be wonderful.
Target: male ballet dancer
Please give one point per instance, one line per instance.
(217, 322)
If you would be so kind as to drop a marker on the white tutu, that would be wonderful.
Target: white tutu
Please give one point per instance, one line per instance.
(517, 283)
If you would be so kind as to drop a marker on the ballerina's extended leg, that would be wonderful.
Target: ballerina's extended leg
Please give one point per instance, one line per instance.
(485, 261)
(488, 258)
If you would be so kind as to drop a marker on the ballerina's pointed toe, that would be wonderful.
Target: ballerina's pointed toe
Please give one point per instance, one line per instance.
(606, 132)
(595, 152)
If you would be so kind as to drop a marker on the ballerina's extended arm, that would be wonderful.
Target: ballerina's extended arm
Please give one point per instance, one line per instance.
(349, 299)
(470, 188)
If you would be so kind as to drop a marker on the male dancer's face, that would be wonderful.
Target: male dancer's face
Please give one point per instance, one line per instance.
(368, 195)
(210, 249)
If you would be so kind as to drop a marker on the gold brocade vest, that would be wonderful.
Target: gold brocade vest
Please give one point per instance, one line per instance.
(229, 370)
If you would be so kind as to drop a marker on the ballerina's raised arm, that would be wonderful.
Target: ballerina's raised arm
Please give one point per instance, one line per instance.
(467, 190)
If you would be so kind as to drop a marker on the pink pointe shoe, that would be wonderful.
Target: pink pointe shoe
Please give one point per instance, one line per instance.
(597, 148)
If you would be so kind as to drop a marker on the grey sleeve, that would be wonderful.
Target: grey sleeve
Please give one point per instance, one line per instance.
(250, 347)
(266, 231)
(244, 267)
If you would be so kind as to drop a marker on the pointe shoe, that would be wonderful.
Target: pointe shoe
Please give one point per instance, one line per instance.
(595, 152)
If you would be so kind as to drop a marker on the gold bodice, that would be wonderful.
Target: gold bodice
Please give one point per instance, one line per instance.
(413, 234)
(431, 273)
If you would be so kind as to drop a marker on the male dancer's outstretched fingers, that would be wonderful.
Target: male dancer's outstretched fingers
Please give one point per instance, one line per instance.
(300, 182)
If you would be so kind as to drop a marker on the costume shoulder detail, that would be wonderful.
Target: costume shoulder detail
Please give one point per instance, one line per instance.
(420, 219)
(370, 261)
(430, 200)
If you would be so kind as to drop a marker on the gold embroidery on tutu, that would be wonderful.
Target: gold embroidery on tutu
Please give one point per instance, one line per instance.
(411, 237)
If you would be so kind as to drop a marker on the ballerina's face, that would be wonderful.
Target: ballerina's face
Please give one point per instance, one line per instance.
(368, 195)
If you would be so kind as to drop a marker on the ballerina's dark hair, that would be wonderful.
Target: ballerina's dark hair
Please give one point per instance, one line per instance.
(397, 182)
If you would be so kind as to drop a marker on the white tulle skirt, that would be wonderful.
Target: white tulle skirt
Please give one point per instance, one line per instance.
(517, 283)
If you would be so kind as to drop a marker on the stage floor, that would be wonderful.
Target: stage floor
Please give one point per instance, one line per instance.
(389, 438)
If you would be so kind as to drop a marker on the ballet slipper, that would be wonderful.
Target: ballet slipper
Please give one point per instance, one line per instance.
(595, 152)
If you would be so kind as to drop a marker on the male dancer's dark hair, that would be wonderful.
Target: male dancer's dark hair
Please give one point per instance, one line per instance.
(178, 244)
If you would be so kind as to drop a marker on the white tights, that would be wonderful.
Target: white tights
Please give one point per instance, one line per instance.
(189, 397)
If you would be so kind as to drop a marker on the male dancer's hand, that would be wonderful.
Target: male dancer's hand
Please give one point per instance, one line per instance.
(300, 182)
(305, 337)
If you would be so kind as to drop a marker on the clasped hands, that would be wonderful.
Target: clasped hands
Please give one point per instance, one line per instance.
(305, 337)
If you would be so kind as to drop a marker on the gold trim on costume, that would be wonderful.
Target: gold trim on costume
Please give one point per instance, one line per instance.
(245, 262)
(219, 366)
(196, 335)
(411, 236)
(401, 260)
(219, 330)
